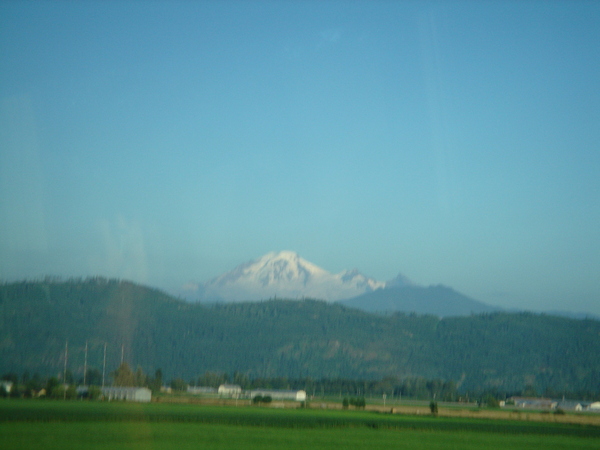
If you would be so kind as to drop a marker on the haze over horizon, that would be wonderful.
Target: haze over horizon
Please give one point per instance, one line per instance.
(168, 142)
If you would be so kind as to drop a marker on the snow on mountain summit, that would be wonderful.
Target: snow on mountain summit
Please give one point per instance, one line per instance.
(286, 275)
(285, 266)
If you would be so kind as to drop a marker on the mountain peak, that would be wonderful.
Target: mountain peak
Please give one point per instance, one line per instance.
(283, 254)
(286, 274)
(399, 281)
(282, 266)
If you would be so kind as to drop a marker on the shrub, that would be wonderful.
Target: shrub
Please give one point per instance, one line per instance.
(178, 384)
(433, 406)
(262, 399)
(94, 393)
(358, 402)
(492, 402)
(71, 392)
(58, 392)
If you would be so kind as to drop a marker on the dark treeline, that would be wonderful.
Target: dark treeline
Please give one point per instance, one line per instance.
(413, 387)
(408, 388)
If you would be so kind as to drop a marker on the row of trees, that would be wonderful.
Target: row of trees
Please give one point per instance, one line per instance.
(358, 403)
(50, 388)
(393, 387)
(66, 385)
(125, 376)
(262, 399)
(409, 387)
(353, 392)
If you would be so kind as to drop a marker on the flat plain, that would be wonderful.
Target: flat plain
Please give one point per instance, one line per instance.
(102, 425)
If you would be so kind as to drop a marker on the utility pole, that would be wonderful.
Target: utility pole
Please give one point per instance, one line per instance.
(104, 365)
(122, 353)
(85, 364)
(65, 369)
(66, 358)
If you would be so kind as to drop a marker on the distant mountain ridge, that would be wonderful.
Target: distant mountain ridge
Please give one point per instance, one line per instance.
(286, 275)
(437, 300)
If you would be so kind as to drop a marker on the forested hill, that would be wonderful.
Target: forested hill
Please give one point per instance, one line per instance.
(286, 338)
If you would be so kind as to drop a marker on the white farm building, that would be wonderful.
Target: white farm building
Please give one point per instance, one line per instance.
(6, 386)
(130, 394)
(275, 394)
(229, 390)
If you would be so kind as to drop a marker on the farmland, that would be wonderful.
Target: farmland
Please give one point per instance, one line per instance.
(100, 425)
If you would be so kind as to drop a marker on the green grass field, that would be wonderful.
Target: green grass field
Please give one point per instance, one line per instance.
(66, 425)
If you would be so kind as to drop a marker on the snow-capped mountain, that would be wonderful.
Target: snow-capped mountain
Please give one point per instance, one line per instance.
(286, 275)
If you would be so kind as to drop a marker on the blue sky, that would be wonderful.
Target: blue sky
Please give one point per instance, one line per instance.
(167, 142)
